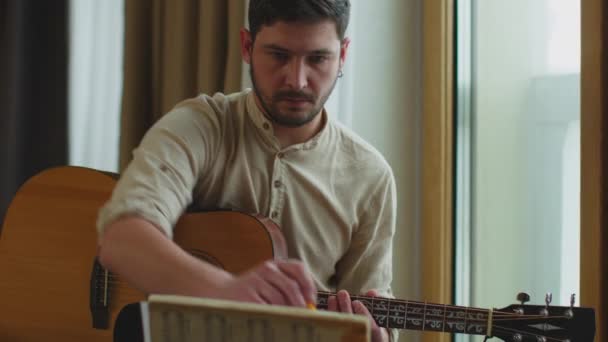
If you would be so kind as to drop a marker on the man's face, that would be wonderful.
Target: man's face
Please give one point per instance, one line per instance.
(294, 68)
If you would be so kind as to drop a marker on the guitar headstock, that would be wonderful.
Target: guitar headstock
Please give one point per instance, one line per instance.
(539, 323)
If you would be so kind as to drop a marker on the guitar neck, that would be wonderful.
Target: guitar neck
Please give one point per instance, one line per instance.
(412, 315)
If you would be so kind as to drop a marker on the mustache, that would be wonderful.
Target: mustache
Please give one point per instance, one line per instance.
(293, 95)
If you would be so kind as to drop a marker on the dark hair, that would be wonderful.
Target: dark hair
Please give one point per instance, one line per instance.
(268, 12)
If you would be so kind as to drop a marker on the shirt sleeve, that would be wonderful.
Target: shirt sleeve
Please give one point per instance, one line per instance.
(367, 263)
(157, 185)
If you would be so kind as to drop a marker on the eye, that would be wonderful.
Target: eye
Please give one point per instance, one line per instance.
(318, 59)
(279, 56)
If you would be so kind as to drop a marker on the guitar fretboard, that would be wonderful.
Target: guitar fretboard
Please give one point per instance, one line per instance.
(412, 315)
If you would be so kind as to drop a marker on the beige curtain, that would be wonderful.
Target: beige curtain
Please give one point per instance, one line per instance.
(175, 49)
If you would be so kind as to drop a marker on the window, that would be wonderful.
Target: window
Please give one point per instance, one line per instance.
(95, 78)
(517, 151)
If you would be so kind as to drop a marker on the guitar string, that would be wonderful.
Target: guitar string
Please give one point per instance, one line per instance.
(533, 317)
(127, 291)
(509, 330)
(500, 315)
(124, 290)
(399, 301)
(497, 316)
(496, 328)
(499, 328)
(436, 306)
(127, 295)
(494, 319)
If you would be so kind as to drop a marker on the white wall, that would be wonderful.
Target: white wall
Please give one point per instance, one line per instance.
(386, 112)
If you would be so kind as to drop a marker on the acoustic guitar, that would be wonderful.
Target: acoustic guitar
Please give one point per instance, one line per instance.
(53, 288)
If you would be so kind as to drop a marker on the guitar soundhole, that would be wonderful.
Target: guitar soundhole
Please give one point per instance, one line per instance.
(207, 257)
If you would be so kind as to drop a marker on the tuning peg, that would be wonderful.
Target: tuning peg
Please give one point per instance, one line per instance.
(548, 298)
(523, 298)
(570, 312)
(572, 299)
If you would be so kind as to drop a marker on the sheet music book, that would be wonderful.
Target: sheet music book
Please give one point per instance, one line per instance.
(169, 318)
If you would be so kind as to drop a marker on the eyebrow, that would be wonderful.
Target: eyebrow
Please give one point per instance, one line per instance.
(278, 48)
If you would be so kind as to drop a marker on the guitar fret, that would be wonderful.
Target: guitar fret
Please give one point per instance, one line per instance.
(389, 314)
(466, 313)
(380, 311)
(477, 322)
(415, 313)
(454, 320)
(368, 303)
(405, 321)
(424, 318)
(397, 314)
(434, 317)
(445, 308)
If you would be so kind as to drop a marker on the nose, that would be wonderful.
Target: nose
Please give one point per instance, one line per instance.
(296, 77)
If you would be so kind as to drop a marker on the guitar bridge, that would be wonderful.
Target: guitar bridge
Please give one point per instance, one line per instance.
(99, 296)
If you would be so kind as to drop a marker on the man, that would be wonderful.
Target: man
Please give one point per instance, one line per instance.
(271, 150)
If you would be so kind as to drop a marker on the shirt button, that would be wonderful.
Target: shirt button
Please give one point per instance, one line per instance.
(266, 125)
(274, 215)
(277, 184)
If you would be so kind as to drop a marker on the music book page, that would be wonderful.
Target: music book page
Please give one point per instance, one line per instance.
(183, 319)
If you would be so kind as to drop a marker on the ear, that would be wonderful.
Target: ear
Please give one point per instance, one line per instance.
(246, 45)
(344, 50)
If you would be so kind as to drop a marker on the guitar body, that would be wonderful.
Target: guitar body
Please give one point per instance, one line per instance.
(48, 246)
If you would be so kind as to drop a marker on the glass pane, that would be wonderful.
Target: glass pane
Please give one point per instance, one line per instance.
(518, 159)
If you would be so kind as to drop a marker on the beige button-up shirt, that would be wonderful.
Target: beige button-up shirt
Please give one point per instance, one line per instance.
(333, 196)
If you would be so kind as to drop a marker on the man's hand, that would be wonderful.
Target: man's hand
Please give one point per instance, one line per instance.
(342, 303)
(139, 252)
(284, 282)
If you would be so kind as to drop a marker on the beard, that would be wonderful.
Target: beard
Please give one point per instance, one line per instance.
(293, 118)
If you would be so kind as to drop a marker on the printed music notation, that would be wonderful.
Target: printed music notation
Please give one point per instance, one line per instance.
(178, 318)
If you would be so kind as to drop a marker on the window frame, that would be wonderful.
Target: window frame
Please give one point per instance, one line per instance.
(437, 155)
(594, 161)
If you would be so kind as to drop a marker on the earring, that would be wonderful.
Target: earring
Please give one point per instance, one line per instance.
(340, 73)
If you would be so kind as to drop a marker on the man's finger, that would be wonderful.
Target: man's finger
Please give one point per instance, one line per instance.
(344, 302)
(377, 332)
(287, 286)
(298, 272)
(372, 293)
(332, 303)
(360, 309)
